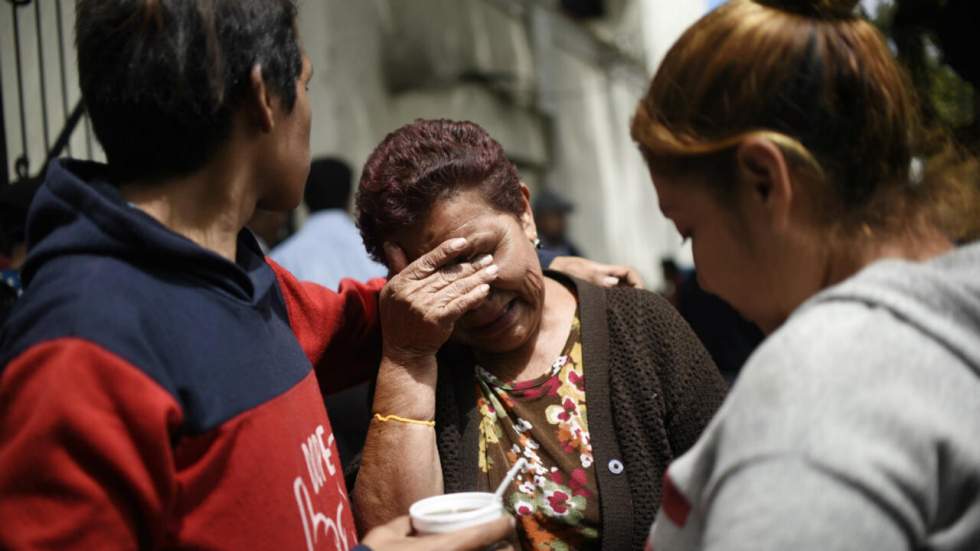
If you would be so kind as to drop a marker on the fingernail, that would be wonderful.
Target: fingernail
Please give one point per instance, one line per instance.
(484, 288)
(485, 261)
(492, 270)
(458, 243)
(610, 281)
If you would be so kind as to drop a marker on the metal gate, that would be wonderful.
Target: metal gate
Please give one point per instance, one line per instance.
(42, 115)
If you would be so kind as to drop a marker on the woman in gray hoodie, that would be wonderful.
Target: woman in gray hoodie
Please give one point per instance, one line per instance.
(784, 140)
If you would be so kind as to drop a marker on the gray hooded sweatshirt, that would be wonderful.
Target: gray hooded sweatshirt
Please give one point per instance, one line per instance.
(856, 426)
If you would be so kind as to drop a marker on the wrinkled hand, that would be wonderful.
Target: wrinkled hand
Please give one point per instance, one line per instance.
(603, 275)
(396, 536)
(423, 300)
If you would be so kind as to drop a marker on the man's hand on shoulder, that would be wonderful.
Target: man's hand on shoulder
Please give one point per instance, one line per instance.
(603, 275)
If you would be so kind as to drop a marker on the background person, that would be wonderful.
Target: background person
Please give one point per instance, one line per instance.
(557, 252)
(598, 388)
(551, 212)
(783, 139)
(328, 248)
(728, 337)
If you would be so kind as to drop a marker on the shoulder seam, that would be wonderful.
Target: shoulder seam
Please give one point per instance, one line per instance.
(94, 345)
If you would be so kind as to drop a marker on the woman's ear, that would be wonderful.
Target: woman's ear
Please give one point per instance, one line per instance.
(258, 100)
(527, 216)
(763, 176)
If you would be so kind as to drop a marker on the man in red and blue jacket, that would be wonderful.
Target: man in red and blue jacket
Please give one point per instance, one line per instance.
(160, 380)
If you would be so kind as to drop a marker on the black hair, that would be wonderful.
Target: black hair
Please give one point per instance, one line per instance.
(329, 185)
(161, 78)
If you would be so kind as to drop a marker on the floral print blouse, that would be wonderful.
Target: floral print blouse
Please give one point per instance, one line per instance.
(555, 500)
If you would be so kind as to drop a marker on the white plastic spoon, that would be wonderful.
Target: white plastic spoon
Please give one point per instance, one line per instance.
(510, 477)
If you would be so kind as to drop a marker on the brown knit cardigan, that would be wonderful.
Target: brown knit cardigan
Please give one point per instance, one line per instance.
(650, 386)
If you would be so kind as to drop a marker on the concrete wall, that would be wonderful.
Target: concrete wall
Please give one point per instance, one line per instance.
(379, 65)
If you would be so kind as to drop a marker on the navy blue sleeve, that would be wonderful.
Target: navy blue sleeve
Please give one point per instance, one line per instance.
(546, 257)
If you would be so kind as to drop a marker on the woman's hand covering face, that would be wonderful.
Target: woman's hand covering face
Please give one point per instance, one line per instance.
(423, 300)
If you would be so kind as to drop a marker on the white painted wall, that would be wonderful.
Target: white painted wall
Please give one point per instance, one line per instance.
(664, 22)
(352, 43)
(583, 140)
(596, 162)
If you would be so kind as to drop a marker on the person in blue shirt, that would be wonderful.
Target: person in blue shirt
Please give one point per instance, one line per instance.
(328, 247)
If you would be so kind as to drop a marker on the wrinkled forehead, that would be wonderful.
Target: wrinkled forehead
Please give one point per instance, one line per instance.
(482, 234)
(461, 215)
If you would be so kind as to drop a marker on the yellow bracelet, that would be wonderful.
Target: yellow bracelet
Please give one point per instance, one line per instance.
(386, 418)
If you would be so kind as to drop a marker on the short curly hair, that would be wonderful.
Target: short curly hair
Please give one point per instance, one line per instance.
(422, 162)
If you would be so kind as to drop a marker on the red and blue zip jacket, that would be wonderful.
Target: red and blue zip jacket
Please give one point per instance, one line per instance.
(155, 395)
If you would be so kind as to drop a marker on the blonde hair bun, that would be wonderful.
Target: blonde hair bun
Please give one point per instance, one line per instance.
(820, 9)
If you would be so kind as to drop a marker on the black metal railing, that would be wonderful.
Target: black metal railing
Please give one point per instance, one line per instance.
(46, 39)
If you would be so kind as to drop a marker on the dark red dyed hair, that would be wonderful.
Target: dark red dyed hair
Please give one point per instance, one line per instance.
(423, 162)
